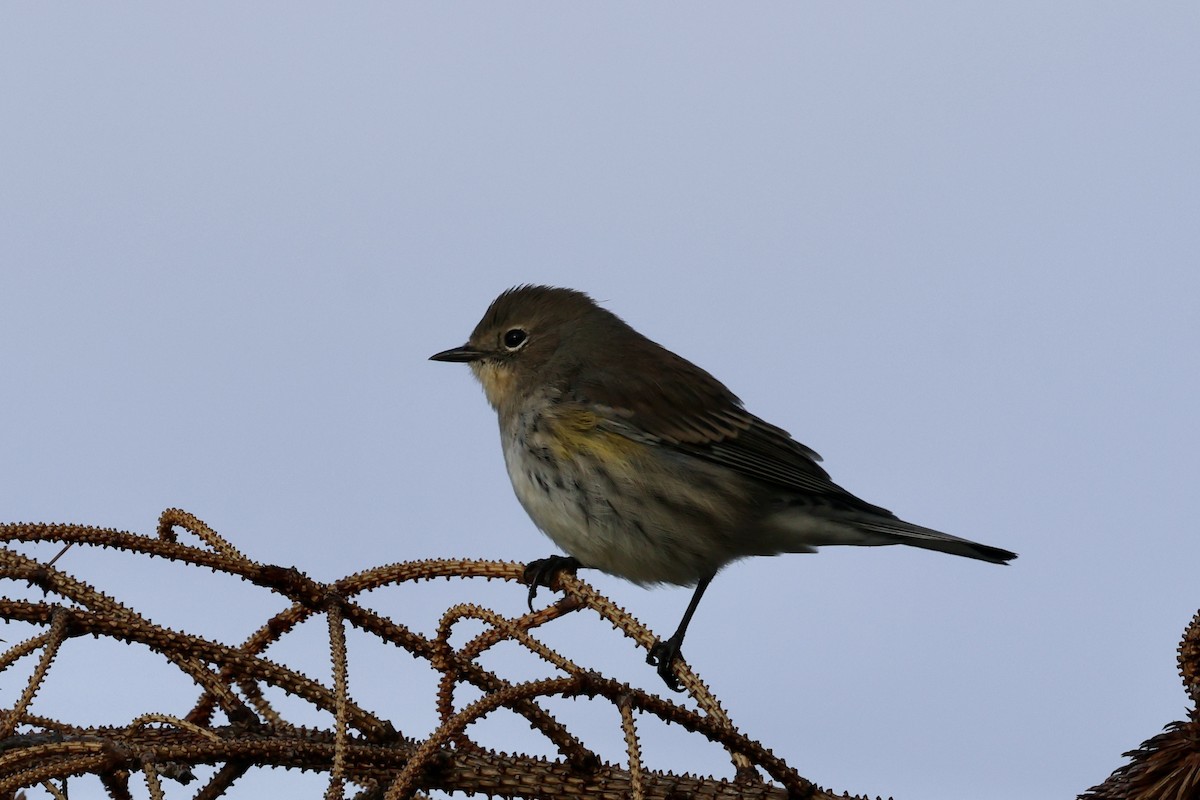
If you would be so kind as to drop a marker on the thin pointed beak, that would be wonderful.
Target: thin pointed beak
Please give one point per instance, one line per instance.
(466, 354)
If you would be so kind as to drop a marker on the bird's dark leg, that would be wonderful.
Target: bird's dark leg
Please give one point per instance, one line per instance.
(542, 572)
(663, 654)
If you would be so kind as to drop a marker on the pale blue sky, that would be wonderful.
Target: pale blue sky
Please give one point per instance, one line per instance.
(952, 247)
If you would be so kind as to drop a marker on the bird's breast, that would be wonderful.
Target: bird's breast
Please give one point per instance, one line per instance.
(617, 504)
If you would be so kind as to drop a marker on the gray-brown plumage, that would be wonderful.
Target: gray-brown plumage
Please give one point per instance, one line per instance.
(638, 462)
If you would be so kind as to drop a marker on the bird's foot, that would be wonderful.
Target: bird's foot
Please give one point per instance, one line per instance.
(663, 655)
(543, 571)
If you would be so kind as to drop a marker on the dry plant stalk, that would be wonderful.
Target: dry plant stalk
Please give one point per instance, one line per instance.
(1167, 766)
(234, 727)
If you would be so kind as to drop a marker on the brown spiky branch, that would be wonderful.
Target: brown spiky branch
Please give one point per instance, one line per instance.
(1167, 766)
(233, 726)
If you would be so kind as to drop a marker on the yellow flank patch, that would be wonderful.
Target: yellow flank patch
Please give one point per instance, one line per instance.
(575, 433)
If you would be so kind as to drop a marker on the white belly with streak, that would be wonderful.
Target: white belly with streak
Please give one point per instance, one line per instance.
(576, 508)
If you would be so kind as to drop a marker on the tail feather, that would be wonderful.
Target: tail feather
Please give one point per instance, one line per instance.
(902, 532)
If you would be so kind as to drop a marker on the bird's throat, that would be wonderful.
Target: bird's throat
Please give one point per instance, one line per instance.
(498, 381)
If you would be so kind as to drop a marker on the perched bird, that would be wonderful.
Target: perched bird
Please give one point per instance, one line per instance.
(639, 463)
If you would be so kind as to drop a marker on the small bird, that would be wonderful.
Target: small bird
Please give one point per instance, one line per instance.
(639, 463)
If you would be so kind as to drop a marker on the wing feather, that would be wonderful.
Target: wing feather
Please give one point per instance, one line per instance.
(683, 407)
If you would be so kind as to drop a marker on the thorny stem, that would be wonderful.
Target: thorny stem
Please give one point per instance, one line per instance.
(361, 748)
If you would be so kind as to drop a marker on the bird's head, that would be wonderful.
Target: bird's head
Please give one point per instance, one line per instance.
(532, 337)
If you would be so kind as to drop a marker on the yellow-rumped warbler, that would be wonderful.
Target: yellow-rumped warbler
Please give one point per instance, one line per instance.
(639, 463)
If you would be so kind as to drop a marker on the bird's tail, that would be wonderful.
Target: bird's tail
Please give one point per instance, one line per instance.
(901, 532)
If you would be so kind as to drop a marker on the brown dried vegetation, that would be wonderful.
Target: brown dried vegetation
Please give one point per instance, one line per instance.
(1167, 766)
(232, 727)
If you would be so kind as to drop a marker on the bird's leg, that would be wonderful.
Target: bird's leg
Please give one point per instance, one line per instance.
(542, 572)
(663, 654)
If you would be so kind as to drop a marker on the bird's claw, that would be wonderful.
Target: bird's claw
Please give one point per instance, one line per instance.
(663, 655)
(543, 571)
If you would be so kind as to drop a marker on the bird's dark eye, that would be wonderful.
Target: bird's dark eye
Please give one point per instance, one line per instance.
(514, 338)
